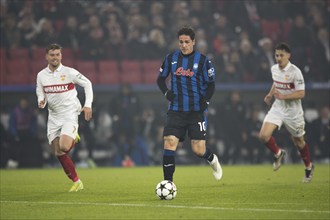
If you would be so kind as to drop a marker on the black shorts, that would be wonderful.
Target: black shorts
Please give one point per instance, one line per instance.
(178, 123)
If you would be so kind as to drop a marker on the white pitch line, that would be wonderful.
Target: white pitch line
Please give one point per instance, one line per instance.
(168, 206)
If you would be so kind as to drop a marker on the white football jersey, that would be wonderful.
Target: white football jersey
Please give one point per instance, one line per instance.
(58, 90)
(287, 81)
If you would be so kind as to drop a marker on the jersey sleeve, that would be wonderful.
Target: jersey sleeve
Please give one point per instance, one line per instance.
(165, 68)
(40, 91)
(208, 71)
(299, 82)
(81, 80)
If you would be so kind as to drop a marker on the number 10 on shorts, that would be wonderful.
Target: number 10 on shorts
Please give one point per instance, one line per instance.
(202, 126)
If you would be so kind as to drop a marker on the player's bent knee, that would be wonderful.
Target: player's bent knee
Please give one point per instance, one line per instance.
(65, 147)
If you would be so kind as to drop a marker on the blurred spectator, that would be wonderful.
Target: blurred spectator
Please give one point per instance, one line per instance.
(93, 23)
(221, 60)
(156, 46)
(46, 33)
(5, 148)
(28, 29)
(223, 30)
(12, 35)
(135, 46)
(247, 58)
(267, 50)
(234, 69)
(266, 61)
(248, 19)
(262, 72)
(256, 152)
(319, 135)
(125, 110)
(232, 120)
(69, 36)
(321, 56)
(115, 38)
(23, 130)
(93, 48)
(300, 39)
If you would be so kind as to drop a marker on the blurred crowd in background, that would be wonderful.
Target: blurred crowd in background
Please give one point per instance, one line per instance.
(238, 36)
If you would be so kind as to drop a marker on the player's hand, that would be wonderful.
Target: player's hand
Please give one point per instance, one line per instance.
(169, 95)
(42, 104)
(88, 113)
(203, 104)
(278, 95)
(268, 99)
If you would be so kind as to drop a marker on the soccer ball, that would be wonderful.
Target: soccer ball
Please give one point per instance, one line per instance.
(166, 190)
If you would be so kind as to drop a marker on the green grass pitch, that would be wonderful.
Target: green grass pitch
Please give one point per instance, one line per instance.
(245, 192)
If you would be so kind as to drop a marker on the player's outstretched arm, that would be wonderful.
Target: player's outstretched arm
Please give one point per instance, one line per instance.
(269, 96)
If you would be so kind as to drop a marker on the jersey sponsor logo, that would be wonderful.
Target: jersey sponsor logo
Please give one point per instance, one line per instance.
(195, 66)
(58, 88)
(300, 81)
(284, 86)
(182, 72)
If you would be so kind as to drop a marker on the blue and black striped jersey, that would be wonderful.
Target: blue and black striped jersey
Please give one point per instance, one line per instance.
(189, 78)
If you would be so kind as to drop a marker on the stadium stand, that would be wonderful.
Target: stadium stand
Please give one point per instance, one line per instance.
(131, 72)
(150, 71)
(109, 72)
(17, 72)
(18, 54)
(88, 69)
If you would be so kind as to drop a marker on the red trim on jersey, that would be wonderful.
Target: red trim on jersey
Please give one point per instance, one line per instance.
(59, 88)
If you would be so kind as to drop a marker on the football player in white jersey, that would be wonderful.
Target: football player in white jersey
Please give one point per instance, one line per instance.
(288, 89)
(56, 87)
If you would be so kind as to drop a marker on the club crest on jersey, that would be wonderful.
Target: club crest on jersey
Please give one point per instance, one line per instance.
(286, 77)
(182, 72)
(62, 77)
(195, 66)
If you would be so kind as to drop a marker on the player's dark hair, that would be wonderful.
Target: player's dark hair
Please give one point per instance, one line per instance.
(283, 46)
(53, 47)
(187, 31)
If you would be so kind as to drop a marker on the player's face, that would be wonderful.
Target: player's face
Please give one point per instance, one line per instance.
(282, 58)
(186, 44)
(54, 58)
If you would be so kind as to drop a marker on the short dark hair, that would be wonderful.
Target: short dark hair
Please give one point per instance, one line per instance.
(187, 31)
(53, 47)
(283, 46)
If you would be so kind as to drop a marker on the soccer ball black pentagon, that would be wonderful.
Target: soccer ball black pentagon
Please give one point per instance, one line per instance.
(166, 190)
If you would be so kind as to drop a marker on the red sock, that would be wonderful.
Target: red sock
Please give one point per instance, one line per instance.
(68, 167)
(271, 144)
(304, 154)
